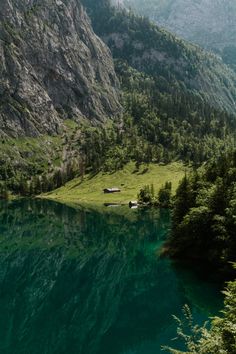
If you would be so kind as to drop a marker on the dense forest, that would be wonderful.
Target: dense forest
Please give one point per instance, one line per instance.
(204, 214)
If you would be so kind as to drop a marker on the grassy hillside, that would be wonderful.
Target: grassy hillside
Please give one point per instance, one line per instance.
(129, 180)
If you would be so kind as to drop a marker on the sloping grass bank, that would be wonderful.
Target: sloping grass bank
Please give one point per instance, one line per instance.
(129, 180)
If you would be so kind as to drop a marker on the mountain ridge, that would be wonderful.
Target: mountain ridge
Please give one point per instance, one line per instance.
(210, 24)
(157, 52)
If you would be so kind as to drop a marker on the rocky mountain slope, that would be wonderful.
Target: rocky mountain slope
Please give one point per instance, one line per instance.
(176, 65)
(209, 23)
(52, 67)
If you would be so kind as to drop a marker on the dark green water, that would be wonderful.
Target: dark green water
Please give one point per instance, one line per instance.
(91, 282)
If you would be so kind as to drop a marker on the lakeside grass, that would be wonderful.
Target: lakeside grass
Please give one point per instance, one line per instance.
(129, 180)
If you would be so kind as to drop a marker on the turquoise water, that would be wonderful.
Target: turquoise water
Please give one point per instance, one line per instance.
(91, 281)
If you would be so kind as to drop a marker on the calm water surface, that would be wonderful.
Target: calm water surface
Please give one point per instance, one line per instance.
(91, 282)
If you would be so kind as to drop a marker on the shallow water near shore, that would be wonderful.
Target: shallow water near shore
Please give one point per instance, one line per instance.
(78, 280)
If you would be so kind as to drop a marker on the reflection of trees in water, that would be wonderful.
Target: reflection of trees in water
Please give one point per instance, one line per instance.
(68, 305)
(77, 281)
(65, 273)
(35, 221)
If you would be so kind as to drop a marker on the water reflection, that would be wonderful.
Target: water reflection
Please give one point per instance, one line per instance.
(89, 281)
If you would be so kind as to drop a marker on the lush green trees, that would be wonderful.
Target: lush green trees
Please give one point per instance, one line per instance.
(179, 127)
(204, 224)
(164, 195)
(146, 195)
(162, 199)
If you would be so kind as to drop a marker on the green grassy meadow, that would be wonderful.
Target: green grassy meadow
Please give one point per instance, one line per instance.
(129, 180)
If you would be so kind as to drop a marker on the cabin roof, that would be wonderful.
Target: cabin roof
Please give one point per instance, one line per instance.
(114, 189)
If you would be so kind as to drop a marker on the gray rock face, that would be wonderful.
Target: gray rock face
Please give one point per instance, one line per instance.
(52, 67)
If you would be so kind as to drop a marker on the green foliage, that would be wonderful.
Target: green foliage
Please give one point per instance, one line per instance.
(4, 192)
(220, 338)
(204, 224)
(178, 127)
(29, 166)
(164, 195)
(162, 199)
(145, 195)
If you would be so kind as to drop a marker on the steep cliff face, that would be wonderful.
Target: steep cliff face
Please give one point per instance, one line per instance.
(52, 67)
(209, 23)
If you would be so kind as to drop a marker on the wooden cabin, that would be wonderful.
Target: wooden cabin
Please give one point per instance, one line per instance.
(111, 190)
(133, 203)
